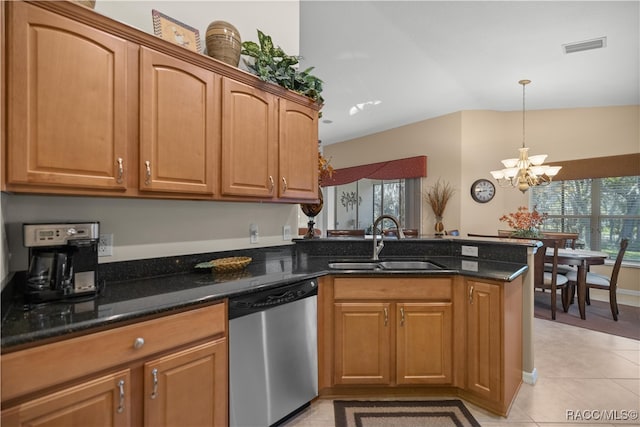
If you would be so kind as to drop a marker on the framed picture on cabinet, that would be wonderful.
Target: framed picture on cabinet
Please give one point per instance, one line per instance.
(175, 31)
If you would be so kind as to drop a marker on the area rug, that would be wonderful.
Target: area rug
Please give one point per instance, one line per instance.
(402, 413)
(598, 316)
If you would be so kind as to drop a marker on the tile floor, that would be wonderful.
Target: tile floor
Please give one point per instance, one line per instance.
(604, 375)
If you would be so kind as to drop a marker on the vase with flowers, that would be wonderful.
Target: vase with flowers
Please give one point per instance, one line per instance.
(311, 210)
(525, 223)
(438, 196)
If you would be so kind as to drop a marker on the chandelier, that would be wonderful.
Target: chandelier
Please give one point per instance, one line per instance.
(525, 171)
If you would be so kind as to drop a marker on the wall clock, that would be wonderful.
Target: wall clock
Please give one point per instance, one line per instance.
(483, 190)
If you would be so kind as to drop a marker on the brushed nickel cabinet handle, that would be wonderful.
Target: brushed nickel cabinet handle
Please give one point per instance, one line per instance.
(386, 316)
(271, 183)
(401, 316)
(154, 376)
(121, 404)
(138, 343)
(284, 184)
(120, 170)
(147, 179)
(471, 294)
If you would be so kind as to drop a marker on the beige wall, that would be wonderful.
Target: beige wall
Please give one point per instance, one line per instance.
(465, 146)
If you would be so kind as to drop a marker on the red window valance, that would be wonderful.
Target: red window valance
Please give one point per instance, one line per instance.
(412, 167)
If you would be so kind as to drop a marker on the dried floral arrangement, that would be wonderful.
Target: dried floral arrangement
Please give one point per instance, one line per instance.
(325, 170)
(438, 196)
(525, 223)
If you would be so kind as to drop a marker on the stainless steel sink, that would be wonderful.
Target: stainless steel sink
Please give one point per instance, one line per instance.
(355, 265)
(384, 265)
(409, 265)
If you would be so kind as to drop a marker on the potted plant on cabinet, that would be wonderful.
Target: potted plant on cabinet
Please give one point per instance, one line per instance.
(271, 64)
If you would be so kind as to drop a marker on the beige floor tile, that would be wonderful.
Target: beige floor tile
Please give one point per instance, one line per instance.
(632, 385)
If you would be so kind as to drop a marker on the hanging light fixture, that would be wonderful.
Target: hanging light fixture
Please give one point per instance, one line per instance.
(525, 171)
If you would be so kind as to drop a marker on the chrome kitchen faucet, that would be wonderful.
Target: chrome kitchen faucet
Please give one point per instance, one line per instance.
(378, 247)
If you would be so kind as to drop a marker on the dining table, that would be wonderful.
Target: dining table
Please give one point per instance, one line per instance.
(582, 259)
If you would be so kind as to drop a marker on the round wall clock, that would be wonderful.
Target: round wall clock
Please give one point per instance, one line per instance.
(483, 190)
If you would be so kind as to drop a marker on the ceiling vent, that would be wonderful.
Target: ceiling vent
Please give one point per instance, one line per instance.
(585, 45)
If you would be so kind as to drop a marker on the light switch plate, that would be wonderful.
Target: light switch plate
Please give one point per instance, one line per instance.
(469, 250)
(286, 232)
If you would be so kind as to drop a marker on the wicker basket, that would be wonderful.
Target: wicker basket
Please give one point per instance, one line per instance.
(224, 265)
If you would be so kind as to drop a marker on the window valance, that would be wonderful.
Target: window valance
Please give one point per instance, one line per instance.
(411, 167)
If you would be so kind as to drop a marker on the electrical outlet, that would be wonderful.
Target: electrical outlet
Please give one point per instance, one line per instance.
(254, 237)
(105, 245)
(469, 250)
(286, 232)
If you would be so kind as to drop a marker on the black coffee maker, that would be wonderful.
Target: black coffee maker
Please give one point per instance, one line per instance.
(63, 260)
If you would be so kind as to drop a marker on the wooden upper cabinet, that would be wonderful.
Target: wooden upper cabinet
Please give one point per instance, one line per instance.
(298, 151)
(179, 125)
(67, 108)
(249, 135)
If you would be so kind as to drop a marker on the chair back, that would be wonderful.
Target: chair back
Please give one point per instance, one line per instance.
(408, 232)
(483, 235)
(565, 238)
(616, 266)
(345, 233)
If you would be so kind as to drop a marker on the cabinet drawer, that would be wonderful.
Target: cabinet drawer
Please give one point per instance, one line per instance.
(404, 288)
(44, 366)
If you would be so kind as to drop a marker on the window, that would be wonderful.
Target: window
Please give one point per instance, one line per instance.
(602, 211)
(358, 203)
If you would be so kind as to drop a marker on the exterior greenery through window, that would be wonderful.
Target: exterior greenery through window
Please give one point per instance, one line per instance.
(602, 211)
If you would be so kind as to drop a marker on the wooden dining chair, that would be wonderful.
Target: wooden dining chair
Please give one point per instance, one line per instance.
(408, 232)
(345, 233)
(551, 280)
(599, 281)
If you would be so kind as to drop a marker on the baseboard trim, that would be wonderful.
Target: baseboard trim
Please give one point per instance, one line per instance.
(530, 377)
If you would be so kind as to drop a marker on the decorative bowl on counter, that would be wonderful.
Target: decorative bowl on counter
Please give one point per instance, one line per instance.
(224, 265)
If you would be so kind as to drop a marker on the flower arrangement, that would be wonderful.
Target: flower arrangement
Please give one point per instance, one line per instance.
(525, 223)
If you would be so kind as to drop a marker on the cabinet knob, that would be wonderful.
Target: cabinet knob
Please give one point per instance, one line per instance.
(138, 343)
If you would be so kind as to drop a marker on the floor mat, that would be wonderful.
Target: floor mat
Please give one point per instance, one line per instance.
(386, 413)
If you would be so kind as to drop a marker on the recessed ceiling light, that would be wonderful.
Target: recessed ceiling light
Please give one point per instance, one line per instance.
(327, 121)
(574, 47)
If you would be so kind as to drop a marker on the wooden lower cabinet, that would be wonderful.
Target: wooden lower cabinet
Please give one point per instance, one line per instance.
(392, 342)
(103, 401)
(187, 388)
(362, 343)
(424, 343)
(157, 378)
(421, 336)
(494, 343)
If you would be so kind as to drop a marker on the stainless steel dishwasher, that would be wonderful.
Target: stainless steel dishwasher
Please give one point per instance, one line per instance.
(273, 354)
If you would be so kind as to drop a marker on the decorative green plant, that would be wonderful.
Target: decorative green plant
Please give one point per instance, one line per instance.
(272, 64)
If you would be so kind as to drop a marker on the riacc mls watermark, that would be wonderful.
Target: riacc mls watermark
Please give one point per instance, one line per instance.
(601, 414)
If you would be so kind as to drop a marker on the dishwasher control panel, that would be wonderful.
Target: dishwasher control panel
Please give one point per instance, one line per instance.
(273, 297)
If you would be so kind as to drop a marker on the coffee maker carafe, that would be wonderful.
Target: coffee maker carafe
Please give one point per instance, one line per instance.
(63, 260)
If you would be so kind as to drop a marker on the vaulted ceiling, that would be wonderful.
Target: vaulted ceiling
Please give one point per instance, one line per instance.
(390, 63)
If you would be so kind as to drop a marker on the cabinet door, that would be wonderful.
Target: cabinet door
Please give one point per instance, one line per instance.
(179, 125)
(249, 141)
(67, 102)
(362, 343)
(298, 151)
(424, 343)
(188, 388)
(105, 401)
(483, 339)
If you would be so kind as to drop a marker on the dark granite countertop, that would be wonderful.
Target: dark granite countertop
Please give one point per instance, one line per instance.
(138, 289)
